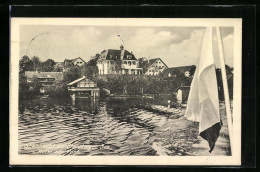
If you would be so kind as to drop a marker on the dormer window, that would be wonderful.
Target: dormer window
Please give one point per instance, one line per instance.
(129, 57)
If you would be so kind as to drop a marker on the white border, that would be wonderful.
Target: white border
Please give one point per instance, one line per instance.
(16, 159)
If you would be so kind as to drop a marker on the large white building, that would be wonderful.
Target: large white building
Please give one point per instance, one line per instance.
(118, 62)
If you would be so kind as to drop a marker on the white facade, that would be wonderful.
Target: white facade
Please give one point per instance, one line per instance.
(107, 62)
(156, 67)
(79, 62)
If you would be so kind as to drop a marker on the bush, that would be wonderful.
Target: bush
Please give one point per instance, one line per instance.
(58, 92)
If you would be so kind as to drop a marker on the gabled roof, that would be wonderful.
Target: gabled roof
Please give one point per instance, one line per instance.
(112, 54)
(78, 80)
(180, 69)
(146, 65)
(56, 75)
(73, 60)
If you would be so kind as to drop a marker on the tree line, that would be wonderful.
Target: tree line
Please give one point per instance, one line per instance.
(117, 84)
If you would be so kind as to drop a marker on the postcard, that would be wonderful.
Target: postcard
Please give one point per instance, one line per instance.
(125, 91)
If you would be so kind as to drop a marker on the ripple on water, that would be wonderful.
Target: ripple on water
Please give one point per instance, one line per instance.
(58, 128)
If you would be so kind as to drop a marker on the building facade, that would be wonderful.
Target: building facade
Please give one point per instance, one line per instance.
(73, 62)
(153, 66)
(186, 71)
(83, 88)
(182, 94)
(118, 62)
(46, 79)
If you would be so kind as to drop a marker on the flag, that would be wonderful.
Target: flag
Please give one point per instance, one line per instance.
(203, 103)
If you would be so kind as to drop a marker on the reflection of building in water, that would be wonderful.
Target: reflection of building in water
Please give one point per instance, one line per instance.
(89, 105)
(83, 88)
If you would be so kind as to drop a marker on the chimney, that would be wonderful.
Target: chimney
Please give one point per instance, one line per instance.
(121, 47)
(122, 52)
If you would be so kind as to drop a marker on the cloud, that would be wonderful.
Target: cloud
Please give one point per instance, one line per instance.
(176, 46)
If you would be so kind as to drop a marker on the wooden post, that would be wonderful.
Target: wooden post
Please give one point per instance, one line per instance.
(225, 86)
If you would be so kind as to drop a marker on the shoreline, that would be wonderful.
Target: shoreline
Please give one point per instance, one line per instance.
(182, 138)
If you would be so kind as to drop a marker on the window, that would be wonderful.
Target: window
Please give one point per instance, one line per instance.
(125, 62)
(129, 63)
(107, 62)
(133, 63)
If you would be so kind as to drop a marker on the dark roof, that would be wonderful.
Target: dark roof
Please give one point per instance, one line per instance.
(56, 75)
(180, 69)
(112, 54)
(145, 64)
(68, 60)
(73, 60)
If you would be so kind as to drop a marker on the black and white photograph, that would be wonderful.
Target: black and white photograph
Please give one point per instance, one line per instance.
(125, 91)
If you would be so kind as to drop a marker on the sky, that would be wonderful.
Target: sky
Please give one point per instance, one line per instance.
(176, 46)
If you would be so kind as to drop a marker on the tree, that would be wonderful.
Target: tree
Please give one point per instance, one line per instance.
(23, 87)
(192, 70)
(25, 64)
(36, 63)
(72, 74)
(48, 65)
(118, 65)
(90, 69)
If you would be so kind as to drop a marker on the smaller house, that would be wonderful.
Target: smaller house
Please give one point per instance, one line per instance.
(153, 66)
(73, 62)
(182, 94)
(46, 79)
(83, 88)
(181, 70)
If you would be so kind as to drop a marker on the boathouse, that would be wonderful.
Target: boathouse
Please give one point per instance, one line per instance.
(182, 94)
(83, 88)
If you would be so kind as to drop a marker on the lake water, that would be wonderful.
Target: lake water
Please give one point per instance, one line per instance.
(88, 127)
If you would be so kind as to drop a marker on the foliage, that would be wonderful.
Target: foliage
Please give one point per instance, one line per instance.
(28, 90)
(118, 65)
(72, 74)
(23, 87)
(90, 69)
(58, 91)
(220, 83)
(36, 63)
(25, 64)
(48, 65)
(192, 70)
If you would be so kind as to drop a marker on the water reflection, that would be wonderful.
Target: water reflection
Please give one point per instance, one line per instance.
(84, 127)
